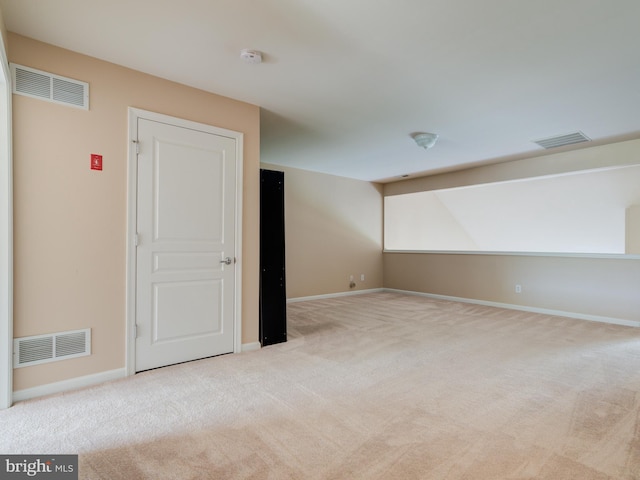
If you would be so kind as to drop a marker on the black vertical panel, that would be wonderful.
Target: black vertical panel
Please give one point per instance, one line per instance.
(273, 303)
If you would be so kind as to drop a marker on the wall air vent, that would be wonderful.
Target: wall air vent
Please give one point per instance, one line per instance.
(47, 86)
(562, 140)
(53, 347)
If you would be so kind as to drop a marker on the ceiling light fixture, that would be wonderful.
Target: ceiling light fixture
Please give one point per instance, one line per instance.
(251, 56)
(424, 139)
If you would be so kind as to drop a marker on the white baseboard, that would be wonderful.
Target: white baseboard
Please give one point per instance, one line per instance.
(71, 384)
(523, 308)
(334, 295)
(250, 347)
(89, 380)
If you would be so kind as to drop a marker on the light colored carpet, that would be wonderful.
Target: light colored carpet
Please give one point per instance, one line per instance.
(376, 386)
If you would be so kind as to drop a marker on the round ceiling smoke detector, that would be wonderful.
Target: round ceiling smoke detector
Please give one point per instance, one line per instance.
(251, 56)
(424, 139)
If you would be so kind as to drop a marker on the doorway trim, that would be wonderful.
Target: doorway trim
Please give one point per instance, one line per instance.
(132, 182)
(6, 233)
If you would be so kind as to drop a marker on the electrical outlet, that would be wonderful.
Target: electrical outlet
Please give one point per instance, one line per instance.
(362, 277)
(351, 278)
(518, 288)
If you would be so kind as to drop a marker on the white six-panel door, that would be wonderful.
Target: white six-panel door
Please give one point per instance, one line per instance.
(185, 257)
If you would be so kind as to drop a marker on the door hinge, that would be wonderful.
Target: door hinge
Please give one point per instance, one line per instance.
(137, 144)
(135, 330)
(136, 239)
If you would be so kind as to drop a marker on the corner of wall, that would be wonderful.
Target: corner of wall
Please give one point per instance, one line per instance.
(333, 233)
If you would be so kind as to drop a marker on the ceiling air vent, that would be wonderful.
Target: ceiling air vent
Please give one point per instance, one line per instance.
(50, 348)
(562, 140)
(47, 86)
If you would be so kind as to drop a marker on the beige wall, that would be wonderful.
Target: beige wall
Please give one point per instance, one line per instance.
(333, 230)
(606, 287)
(632, 230)
(614, 154)
(70, 222)
(3, 30)
(603, 287)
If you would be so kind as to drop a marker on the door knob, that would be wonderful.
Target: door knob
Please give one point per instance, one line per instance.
(226, 261)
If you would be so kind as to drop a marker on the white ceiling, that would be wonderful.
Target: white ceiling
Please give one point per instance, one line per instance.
(345, 82)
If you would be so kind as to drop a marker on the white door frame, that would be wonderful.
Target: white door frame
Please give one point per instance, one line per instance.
(6, 235)
(132, 212)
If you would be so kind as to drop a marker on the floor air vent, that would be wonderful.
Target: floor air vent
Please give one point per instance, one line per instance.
(562, 140)
(51, 348)
(47, 86)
